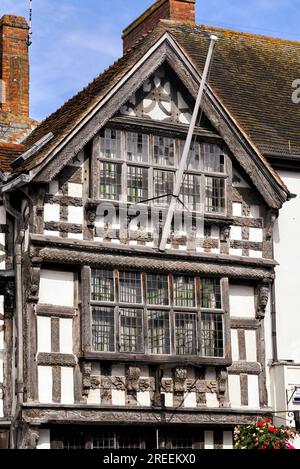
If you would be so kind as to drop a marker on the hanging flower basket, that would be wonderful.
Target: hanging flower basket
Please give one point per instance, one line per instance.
(263, 435)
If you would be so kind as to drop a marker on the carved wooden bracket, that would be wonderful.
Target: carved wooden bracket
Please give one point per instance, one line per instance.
(86, 378)
(29, 437)
(180, 378)
(262, 299)
(225, 232)
(34, 284)
(132, 378)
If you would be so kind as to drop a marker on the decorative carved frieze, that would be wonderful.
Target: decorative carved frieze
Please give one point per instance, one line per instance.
(118, 382)
(167, 385)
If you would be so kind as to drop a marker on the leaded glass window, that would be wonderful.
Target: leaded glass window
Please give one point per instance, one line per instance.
(131, 330)
(137, 184)
(130, 287)
(157, 289)
(186, 333)
(184, 291)
(110, 181)
(163, 151)
(159, 332)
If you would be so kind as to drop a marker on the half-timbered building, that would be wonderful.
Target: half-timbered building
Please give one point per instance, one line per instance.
(108, 342)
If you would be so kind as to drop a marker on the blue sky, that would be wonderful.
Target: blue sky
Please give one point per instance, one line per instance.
(74, 40)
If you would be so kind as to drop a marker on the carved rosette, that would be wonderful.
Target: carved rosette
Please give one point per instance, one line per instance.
(180, 379)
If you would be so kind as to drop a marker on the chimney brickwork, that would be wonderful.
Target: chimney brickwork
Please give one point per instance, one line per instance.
(14, 65)
(181, 11)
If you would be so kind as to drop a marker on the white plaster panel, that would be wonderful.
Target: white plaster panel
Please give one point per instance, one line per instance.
(227, 440)
(51, 233)
(67, 385)
(118, 397)
(235, 252)
(236, 209)
(51, 212)
(53, 188)
(190, 399)
(94, 397)
(1, 336)
(57, 288)
(74, 190)
(212, 400)
(1, 408)
(2, 215)
(254, 211)
(1, 304)
(168, 399)
(256, 254)
(45, 384)
(234, 390)
(256, 235)
(234, 345)
(143, 399)
(44, 334)
(250, 339)
(44, 440)
(75, 215)
(66, 336)
(241, 301)
(253, 392)
(75, 236)
(236, 233)
(208, 440)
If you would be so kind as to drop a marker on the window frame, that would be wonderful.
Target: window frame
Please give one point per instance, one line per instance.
(151, 165)
(146, 355)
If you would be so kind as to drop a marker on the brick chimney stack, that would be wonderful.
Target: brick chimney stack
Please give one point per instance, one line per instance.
(14, 66)
(180, 11)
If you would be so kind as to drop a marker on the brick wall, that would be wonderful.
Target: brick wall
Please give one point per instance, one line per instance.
(182, 11)
(14, 65)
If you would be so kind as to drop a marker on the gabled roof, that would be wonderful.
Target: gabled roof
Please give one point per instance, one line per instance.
(8, 153)
(251, 76)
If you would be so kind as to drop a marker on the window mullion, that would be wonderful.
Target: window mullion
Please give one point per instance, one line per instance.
(124, 182)
(145, 322)
(172, 316)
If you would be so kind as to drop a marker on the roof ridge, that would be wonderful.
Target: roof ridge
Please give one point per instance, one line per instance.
(244, 33)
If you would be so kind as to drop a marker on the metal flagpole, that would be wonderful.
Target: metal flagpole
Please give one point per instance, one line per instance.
(184, 158)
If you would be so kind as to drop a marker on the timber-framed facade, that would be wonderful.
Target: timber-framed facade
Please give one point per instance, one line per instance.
(118, 344)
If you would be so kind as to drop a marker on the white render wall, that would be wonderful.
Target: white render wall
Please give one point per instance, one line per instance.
(287, 253)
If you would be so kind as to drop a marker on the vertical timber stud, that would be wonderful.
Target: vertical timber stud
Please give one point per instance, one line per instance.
(186, 150)
(86, 309)
(226, 308)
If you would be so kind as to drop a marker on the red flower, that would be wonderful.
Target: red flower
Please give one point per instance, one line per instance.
(261, 424)
(272, 429)
(268, 420)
